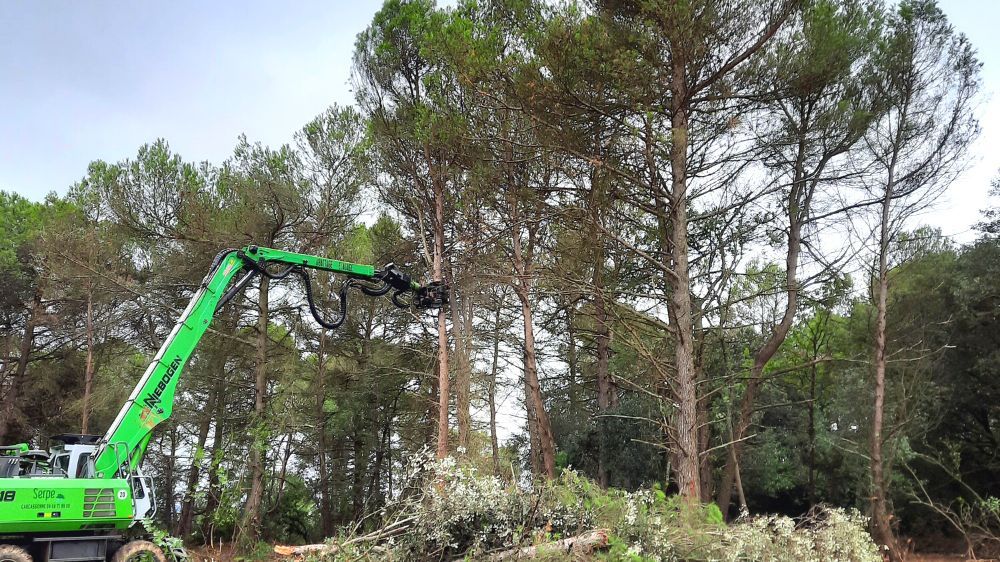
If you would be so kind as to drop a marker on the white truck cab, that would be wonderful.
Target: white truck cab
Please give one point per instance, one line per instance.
(73, 457)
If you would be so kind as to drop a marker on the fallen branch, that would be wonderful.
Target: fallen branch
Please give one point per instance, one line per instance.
(396, 528)
(305, 549)
(583, 544)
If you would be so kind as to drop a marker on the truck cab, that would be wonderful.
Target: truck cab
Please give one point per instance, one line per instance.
(74, 456)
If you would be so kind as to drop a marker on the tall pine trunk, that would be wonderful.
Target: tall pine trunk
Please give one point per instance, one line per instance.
(797, 212)
(325, 507)
(360, 455)
(460, 301)
(491, 394)
(444, 391)
(214, 498)
(881, 525)
(169, 480)
(534, 442)
(250, 524)
(607, 393)
(88, 370)
(183, 528)
(522, 287)
(686, 379)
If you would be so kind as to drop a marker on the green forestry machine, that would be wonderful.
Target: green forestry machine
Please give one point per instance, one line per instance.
(75, 502)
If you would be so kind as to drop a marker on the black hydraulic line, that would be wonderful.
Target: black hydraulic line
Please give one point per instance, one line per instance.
(236, 288)
(215, 263)
(397, 301)
(255, 269)
(312, 303)
(262, 268)
(376, 291)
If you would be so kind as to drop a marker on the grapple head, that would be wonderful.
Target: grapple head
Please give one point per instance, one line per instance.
(432, 295)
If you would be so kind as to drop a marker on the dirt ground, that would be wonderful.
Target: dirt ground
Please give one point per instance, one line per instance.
(212, 554)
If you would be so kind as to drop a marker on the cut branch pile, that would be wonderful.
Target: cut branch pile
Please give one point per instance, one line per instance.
(580, 545)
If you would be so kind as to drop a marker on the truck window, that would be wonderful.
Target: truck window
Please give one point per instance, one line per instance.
(61, 465)
(83, 466)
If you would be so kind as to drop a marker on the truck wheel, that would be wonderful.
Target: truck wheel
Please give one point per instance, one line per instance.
(138, 551)
(11, 553)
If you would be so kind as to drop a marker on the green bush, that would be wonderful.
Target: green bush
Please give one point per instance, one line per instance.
(828, 535)
(293, 519)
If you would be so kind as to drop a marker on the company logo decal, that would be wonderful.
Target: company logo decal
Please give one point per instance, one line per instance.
(154, 398)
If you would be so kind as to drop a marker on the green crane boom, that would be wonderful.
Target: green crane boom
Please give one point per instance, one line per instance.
(151, 403)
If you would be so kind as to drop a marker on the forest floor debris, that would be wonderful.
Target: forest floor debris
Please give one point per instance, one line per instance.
(453, 512)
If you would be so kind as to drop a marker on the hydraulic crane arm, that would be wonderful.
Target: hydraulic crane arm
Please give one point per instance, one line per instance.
(124, 445)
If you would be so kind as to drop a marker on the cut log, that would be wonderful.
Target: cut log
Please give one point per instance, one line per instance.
(579, 545)
(397, 528)
(305, 549)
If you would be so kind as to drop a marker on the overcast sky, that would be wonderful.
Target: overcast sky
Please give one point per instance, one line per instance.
(88, 80)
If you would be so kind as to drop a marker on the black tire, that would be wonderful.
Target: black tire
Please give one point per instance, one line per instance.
(139, 551)
(11, 553)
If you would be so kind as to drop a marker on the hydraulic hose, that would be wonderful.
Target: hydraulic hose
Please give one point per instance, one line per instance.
(216, 262)
(262, 268)
(255, 269)
(376, 291)
(398, 301)
(329, 325)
